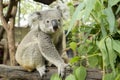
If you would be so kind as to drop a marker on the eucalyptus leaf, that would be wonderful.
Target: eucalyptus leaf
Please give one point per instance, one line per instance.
(93, 61)
(118, 10)
(73, 46)
(118, 77)
(103, 30)
(82, 50)
(110, 18)
(74, 59)
(109, 76)
(75, 16)
(112, 55)
(118, 31)
(104, 52)
(116, 46)
(70, 77)
(89, 7)
(55, 77)
(98, 5)
(112, 2)
(80, 73)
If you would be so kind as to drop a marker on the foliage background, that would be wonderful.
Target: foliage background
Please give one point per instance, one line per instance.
(93, 34)
(94, 25)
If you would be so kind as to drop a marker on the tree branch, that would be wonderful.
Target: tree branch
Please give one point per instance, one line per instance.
(5, 4)
(13, 13)
(8, 15)
(14, 8)
(1, 32)
(5, 25)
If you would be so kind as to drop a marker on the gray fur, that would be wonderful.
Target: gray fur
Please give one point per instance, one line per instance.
(42, 43)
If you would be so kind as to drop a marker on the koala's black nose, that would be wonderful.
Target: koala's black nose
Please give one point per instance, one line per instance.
(55, 24)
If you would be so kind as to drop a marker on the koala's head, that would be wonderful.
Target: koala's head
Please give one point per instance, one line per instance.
(48, 21)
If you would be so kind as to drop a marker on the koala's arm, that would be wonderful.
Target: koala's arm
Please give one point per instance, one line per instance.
(59, 45)
(48, 49)
(50, 53)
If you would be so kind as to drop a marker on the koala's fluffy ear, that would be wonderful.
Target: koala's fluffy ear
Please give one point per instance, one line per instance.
(39, 14)
(59, 9)
(63, 8)
(34, 18)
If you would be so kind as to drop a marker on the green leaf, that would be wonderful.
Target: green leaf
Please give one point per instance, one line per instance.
(80, 73)
(74, 59)
(118, 10)
(109, 76)
(104, 32)
(55, 77)
(88, 8)
(118, 77)
(110, 18)
(71, 7)
(98, 5)
(82, 50)
(118, 31)
(93, 61)
(75, 15)
(92, 49)
(116, 46)
(103, 50)
(73, 46)
(70, 77)
(112, 2)
(112, 55)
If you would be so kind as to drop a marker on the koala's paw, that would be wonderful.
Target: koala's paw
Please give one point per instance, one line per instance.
(61, 69)
(41, 70)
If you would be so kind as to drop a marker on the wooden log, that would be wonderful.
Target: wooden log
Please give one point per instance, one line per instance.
(17, 73)
(94, 74)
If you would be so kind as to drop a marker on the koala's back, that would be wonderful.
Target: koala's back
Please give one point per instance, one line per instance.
(28, 54)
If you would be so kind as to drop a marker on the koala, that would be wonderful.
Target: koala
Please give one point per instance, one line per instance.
(43, 42)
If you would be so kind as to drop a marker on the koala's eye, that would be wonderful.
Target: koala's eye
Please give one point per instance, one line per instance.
(58, 20)
(47, 21)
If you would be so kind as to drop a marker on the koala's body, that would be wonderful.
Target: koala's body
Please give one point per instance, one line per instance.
(43, 42)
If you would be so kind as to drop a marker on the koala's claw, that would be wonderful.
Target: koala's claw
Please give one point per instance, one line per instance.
(41, 70)
(61, 69)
